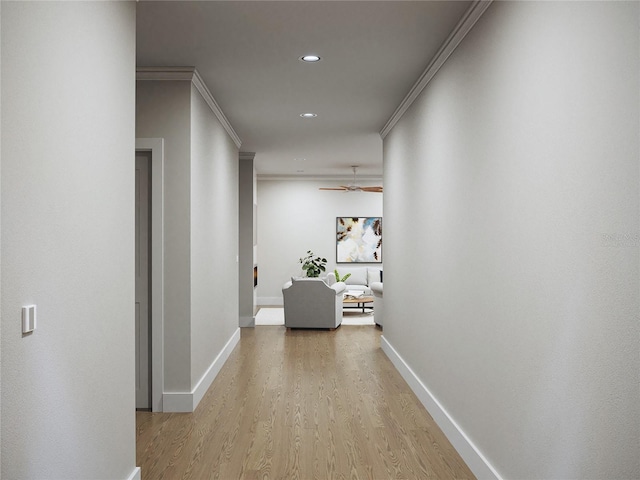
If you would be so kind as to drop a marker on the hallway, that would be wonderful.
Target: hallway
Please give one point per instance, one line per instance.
(301, 404)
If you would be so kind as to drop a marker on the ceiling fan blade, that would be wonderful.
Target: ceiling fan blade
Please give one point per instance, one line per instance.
(372, 189)
(354, 187)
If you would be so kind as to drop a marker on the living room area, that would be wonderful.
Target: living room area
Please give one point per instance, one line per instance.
(294, 216)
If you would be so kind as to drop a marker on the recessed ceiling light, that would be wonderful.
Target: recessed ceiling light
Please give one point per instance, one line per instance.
(310, 58)
(308, 115)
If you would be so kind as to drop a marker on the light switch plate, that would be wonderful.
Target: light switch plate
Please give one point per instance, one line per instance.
(28, 318)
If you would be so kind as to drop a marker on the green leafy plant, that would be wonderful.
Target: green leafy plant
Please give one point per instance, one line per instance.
(343, 279)
(313, 266)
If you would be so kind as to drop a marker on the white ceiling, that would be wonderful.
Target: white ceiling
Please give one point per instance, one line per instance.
(247, 53)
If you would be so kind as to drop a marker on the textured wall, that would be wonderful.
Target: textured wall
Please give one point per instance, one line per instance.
(0, 231)
(68, 96)
(246, 291)
(163, 110)
(517, 171)
(214, 237)
(201, 227)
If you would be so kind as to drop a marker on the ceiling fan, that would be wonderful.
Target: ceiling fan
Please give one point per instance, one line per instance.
(354, 187)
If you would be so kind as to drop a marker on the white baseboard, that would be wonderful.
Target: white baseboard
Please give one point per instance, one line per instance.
(247, 322)
(135, 475)
(177, 402)
(474, 459)
(188, 401)
(270, 301)
(212, 372)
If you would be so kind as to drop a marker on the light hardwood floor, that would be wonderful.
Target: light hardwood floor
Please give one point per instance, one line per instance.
(301, 404)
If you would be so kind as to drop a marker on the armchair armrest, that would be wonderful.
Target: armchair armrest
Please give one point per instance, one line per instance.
(339, 287)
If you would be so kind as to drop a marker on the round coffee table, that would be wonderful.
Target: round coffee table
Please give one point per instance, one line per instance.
(360, 302)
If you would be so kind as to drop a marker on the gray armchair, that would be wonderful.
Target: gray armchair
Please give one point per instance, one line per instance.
(311, 303)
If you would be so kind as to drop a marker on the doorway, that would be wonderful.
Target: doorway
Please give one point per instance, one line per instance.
(153, 150)
(143, 279)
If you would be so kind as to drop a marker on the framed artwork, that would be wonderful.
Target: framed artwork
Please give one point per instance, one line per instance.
(359, 240)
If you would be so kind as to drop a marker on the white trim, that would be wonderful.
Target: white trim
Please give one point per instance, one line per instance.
(156, 147)
(164, 73)
(247, 322)
(188, 401)
(135, 475)
(177, 402)
(215, 108)
(212, 372)
(270, 301)
(192, 75)
(473, 457)
(464, 26)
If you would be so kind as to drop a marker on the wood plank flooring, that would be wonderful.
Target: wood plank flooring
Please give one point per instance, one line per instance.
(301, 404)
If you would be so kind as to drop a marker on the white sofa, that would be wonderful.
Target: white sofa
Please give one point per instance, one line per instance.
(311, 303)
(361, 277)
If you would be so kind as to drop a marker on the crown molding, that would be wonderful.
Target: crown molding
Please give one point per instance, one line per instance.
(247, 155)
(206, 94)
(192, 75)
(165, 73)
(464, 26)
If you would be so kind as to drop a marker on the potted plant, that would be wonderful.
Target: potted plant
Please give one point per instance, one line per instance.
(343, 279)
(313, 266)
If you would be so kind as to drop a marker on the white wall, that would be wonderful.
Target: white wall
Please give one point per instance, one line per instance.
(517, 169)
(68, 89)
(163, 110)
(0, 235)
(293, 217)
(200, 235)
(247, 191)
(214, 237)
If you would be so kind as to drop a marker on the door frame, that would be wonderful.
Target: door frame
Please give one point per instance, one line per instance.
(156, 147)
